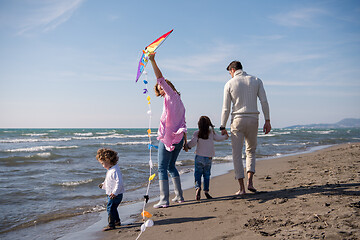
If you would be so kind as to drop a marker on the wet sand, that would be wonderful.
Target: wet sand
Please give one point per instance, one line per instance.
(308, 196)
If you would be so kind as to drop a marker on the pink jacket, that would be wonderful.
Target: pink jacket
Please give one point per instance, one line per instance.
(172, 122)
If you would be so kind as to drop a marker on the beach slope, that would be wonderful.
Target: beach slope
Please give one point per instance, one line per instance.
(308, 196)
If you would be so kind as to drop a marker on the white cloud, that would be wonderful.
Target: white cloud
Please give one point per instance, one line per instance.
(299, 18)
(47, 15)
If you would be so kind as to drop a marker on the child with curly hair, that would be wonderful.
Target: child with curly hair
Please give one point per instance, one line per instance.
(113, 185)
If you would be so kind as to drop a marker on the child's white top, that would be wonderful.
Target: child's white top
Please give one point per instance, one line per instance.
(205, 147)
(113, 183)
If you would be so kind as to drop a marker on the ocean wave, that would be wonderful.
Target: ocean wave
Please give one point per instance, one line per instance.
(116, 135)
(30, 149)
(75, 183)
(321, 132)
(39, 148)
(131, 143)
(267, 135)
(222, 159)
(78, 136)
(44, 155)
(281, 144)
(29, 159)
(185, 170)
(23, 140)
(283, 133)
(141, 135)
(226, 158)
(35, 134)
(105, 133)
(83, 134)
(184, 163)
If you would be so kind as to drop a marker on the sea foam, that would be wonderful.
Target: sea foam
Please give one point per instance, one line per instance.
(83, 134)
(23, 140)
(39, 148)
(75, 183)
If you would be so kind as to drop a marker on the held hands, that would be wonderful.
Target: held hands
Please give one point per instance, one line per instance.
(224, 132)
(186, 147)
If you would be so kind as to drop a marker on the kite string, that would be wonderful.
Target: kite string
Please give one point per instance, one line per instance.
(150, 147)
(139, 235)
(150, 143)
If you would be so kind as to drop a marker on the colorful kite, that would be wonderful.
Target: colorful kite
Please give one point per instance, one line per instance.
(150, 49)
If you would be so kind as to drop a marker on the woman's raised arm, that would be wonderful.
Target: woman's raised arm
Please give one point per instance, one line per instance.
(157, 71)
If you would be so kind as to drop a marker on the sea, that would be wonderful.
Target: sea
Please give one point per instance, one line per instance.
(49, 177)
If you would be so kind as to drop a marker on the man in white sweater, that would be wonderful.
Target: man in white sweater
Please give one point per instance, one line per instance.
(242, 91)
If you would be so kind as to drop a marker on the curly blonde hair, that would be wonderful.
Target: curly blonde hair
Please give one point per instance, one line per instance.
(107, 155)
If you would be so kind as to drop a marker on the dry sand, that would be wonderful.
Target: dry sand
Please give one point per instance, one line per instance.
(308, 196)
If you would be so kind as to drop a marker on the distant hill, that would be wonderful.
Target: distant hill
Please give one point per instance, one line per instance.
(345, 123)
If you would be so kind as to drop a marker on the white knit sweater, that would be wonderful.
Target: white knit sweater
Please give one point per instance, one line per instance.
(242, 91)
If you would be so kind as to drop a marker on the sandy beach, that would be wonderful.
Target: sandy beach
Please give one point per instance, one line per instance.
(308, 196)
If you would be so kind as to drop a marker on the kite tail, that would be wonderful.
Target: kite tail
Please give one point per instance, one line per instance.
(145, 214)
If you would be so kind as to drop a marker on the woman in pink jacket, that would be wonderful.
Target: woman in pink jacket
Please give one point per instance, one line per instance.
(171, 136)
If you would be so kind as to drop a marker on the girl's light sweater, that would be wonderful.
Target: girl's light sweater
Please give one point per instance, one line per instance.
(205, 147)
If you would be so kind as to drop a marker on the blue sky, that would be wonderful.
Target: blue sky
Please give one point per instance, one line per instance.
(73, 63)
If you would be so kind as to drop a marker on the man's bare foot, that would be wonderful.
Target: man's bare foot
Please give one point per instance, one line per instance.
(250, 187)
(240, 192)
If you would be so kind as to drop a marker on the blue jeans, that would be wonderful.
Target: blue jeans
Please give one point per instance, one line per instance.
(202, 168)
(167, 160)
(111, 207)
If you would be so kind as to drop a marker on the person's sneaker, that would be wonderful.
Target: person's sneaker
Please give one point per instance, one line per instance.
(108, 228)
(118, 223)
(160, 206)
(197, 195)
(177, 200)
(208, 196)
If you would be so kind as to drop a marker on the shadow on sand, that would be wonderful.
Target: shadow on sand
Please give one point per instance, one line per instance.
(261, 197)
